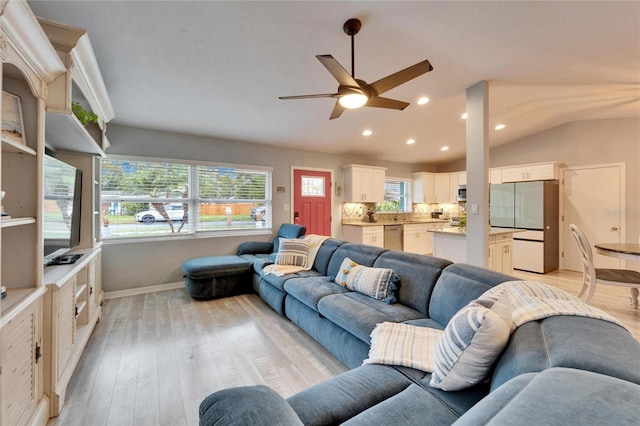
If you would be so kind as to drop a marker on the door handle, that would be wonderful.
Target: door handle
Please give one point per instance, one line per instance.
(296, 216)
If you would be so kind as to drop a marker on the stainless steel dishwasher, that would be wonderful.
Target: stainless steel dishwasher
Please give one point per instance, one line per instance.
(393, 237)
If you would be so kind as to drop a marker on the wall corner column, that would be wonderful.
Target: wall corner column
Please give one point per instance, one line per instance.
(478, 174)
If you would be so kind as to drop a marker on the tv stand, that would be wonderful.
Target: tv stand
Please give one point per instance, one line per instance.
(65, 259)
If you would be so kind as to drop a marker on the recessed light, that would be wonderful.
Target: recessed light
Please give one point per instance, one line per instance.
(500, 127)
(367, 133)
(423, 100)
(464, 116)
(444, 148)
(411, 141)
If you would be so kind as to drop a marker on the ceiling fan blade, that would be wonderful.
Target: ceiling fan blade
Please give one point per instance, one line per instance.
(337, 110)
(320, 95)
(379, 102)
(400, 77)
(337, 71)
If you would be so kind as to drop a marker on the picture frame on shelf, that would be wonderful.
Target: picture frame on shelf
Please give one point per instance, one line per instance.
(12, 122)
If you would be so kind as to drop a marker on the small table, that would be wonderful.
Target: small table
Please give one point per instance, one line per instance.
(621, 251)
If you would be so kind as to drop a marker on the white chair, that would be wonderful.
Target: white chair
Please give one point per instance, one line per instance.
(592, 276)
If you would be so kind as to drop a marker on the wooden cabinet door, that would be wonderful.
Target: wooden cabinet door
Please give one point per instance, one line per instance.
(377, 185)
(66, 324)
(514, 174)
(21, 371)
(441, 187)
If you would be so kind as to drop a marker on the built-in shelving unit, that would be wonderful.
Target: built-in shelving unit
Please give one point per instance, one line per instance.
(29, 65)
(47, 66)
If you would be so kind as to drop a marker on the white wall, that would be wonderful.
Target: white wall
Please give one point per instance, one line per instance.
(141, 264)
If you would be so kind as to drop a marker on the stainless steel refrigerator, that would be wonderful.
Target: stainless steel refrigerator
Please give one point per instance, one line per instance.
(534, 207)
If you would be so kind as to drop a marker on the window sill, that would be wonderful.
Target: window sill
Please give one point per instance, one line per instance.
(197, 235)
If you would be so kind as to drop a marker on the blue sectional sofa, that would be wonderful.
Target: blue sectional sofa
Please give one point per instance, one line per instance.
(557, 370)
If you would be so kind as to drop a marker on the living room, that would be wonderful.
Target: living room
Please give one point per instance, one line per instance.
(601, 127)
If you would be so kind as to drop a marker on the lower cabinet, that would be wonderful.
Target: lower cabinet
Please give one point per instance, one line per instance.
(72, 303)
(23, 399)
(370, 235)
(501, 253)
(417, 239)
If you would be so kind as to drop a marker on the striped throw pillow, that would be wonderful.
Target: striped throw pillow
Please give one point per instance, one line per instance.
(293, 252)
(378, 283)
(471, 343)
(403, 344)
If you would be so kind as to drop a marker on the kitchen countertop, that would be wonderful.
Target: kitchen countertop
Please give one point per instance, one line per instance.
(457, 230)
(406, 222)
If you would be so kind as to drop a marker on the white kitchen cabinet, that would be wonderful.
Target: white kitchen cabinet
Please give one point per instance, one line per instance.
(72, 306)
(370, 235)
(442, 188)
(456, 179)
(363, 184)
(423, 188)
(500, 253)
(530, 172)
(495, 175)
(416, 238)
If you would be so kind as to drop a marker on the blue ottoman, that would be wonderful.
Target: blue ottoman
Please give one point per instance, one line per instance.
(216, 276)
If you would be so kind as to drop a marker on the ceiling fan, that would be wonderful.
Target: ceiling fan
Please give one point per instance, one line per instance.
(353, 92)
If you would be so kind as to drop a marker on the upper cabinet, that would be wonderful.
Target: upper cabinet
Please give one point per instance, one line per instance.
(80, 86)
(363, 184)
(437, 187)
(526, 172)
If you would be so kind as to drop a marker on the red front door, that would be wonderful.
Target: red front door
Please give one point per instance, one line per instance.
(312, 200)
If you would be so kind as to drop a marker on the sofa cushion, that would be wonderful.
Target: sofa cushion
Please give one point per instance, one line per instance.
(412, 406)
(279, 281)
(312, 289)
(418, 276)
(379, 283)
(359, 314)
(568, 341)
(325, 252)
(458, 285)
(293, 251)
(359, 253)
(559, 396)
(403, 344)
(230, 407)
(288, 230)
(471, 342)
(342, 397)
(214, 266)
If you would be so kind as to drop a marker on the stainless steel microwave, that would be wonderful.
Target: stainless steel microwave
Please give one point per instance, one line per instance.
(462, 193)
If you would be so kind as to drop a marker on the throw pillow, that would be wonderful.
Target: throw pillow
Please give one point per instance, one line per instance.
(293, 252)
(472, 341)
(403, 344)
(378, 283)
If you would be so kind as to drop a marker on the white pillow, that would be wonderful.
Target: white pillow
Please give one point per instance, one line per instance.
(472, 341)
(293, 252)
(378, 283)
(403, 344)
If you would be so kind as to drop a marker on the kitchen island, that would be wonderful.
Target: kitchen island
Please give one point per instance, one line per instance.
(451, 243)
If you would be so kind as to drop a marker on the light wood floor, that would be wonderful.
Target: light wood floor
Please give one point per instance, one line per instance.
(154, 357)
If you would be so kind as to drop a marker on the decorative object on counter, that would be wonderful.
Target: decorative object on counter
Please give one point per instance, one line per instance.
(462, 221)
(83, 115)
(12, 119)
(369, 217)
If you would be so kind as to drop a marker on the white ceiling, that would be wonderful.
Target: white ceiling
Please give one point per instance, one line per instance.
(217, 68)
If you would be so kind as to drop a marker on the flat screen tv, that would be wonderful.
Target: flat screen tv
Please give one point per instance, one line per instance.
(62, 200)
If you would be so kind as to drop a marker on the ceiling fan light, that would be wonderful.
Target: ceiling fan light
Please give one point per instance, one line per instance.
(353, 100)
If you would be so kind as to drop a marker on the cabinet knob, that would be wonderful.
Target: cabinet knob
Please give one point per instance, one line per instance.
(614, 228)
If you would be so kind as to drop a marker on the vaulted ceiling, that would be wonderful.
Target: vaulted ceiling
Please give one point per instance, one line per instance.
(217, 68)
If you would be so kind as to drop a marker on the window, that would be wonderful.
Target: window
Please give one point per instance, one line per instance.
(143, 198)
(397, 198)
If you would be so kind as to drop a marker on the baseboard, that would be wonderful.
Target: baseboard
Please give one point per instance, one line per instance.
(142, 290)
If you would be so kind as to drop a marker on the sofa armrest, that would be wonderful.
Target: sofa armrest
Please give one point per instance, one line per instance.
(255, 247)
(247, 405)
